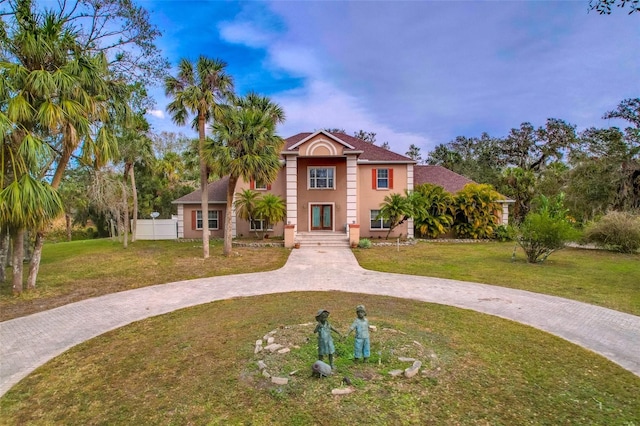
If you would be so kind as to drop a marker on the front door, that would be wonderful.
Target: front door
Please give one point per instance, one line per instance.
(321, 217)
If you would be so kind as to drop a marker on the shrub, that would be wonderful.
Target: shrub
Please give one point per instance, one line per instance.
(477, 211)
(616, 231)
(546, 230)
(364, 243)
(504, 233)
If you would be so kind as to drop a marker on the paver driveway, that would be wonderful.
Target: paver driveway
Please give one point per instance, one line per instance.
(28, 342)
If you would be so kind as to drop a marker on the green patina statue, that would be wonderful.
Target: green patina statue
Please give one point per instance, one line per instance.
(361, 348)
(325, 341)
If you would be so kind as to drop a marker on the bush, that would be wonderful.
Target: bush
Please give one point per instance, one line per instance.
(504, 233)
(617, 231)
(540, 234)
(364, 243)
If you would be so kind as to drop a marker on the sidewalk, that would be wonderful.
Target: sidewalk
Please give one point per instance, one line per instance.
(28, 342)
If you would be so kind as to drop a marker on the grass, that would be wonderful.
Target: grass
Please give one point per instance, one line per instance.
(598, 277)
(197, 366)
(77, 270)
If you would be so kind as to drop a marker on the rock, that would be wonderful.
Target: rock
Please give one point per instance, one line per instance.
(270, 340)
(415, 342)
(279, 380)
(413, 370)
(321, 369)
(261, 365)
(373, 328)
(272, 347)
(258, 347)
(342, 391)
(266, 374)
(405, 359)
(284, 350)
(293, 373)
(396, 373)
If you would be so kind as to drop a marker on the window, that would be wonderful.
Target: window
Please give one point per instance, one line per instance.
(378, 222)
(321, 177)
(260, 225)
(259, 186)
(213, 219)
(382, 178)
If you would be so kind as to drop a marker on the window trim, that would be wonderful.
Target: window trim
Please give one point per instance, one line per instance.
(217, 219)
(375, 179)
(332, 177)
(385, 225)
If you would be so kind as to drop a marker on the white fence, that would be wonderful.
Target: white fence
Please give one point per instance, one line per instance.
(157, 229)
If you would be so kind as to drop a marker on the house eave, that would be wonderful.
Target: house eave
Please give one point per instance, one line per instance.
(325, 133)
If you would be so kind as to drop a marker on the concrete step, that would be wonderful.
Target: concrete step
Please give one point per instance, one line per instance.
(322, 239)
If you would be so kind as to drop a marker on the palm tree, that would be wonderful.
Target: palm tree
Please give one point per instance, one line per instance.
(245, 204)
(271, 208)
(247, 147)
(395, 209)
(199, 90)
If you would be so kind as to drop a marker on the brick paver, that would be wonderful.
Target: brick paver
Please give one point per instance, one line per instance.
(28, 342)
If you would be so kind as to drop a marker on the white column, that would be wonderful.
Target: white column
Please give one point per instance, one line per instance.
(410, 188)
(180, 221)
(352, 189)
(292, 190)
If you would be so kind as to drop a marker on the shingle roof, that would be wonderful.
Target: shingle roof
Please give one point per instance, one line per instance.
(217, 193)
(371, 152)
(437, 175)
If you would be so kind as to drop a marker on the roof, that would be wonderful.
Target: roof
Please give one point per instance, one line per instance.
(370, 152)
(217, 193)
(437, 175)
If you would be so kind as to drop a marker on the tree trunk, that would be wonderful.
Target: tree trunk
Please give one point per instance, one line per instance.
(67, 220)
(34, 264)
(134, 194)
(125, 213)
(4, 253)
(228, 217)
(204, 181)
(18, 258)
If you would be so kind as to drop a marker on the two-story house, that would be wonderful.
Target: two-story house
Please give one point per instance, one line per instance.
(332, 183)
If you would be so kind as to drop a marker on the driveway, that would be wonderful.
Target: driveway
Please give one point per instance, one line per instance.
(28, 342)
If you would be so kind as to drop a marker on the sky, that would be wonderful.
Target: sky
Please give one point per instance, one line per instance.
(413, 72)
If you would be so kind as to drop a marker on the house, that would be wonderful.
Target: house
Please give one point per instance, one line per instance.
(332, 183)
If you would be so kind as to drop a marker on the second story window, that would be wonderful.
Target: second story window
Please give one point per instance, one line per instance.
(382, 179)
(322, 177)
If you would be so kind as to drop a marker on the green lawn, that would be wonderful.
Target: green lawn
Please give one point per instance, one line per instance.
(197, 366)
(77, 270)
(598, 277)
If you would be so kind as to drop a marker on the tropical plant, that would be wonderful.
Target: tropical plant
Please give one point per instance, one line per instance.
(477, 211)
(200, 89)
(244, 146)
(245, 204)
(545, 230)
(270, 208)
(395, 210)
(616, 231)
(432, 210)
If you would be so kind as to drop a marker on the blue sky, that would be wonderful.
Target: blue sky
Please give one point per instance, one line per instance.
(414, 72)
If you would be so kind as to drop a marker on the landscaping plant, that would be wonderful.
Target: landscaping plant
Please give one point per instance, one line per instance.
(616, 231)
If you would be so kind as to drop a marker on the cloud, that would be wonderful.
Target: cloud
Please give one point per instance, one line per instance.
(244, 33)
(156, 113)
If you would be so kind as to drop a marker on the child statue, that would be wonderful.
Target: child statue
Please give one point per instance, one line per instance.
(361, 347)
(325, 341)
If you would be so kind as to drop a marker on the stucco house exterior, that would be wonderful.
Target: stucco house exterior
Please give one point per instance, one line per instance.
(332, 183)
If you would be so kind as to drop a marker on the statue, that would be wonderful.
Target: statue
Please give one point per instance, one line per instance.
(361, 347)
(325, 341)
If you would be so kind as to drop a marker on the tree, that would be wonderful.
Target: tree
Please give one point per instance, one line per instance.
(414, 153)
(245, 204)
(366, 136)
(244, 146)
(199, 89)
(604, 7)
(395, 210)
(270, 208)
(519, 184)
(432, 210)
(477, 211)
(545, 230)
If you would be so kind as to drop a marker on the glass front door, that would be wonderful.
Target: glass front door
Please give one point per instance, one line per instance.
(321, 217)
